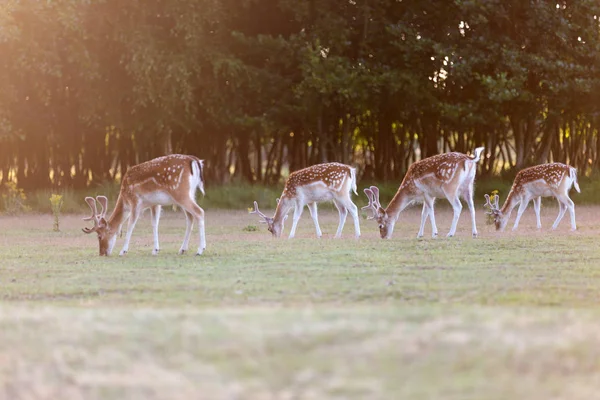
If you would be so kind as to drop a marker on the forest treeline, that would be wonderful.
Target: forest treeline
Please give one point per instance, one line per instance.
(260, 87)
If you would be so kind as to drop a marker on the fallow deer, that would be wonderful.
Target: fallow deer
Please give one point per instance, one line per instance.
(449, 175)
(171, 179)
(308, 186)
(533, 183)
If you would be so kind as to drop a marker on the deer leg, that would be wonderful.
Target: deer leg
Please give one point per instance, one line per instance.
(155, 216)
(133, 217)
(201, 230)
(198, 214)
(297, 213)
(126, 214)
(565, 204)
(457, 207)
(353, 210)
(424, 214)
(189, 223)
(468, 196)
(434, 229)
(537, 203)
(193, 213)
(312, 208)
(343, 213)
(562, 209)
(520, 211)
(571, 207)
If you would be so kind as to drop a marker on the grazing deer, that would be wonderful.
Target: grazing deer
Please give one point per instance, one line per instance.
(308, 186)
(171, 179)
(533, 183)
(449, 175)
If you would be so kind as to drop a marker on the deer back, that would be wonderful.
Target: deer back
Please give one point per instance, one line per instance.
(540, 180)
(165, 177)
(429, 174)
(320, 182)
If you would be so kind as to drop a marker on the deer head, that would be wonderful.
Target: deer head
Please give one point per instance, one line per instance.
(106, 238)
(495, 212)
(274, 226)
(386, 223)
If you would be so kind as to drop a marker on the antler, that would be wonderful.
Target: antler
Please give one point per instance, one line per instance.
(257, 211)
(104, 204)
(376, 196)
(373, 195)
(488, 203)
(371, 205)
(94, 217)
(492, 204)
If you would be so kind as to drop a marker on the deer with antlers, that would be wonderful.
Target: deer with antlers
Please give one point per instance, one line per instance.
(533, 183)
(449, 175)
(171, 179)
(308, 186)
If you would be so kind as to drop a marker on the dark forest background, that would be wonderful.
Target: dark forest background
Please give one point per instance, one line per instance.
(260, 87)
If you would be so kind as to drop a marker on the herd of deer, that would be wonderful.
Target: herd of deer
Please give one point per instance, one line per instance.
(174, 179)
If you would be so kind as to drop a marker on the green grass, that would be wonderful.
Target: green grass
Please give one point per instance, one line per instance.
(503, 316)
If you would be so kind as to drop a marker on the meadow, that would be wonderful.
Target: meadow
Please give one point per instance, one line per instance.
(503, 316)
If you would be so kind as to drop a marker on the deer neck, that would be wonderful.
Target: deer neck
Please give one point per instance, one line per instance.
(283, 208)
(117, 217)
(401, 200)
(511, 202)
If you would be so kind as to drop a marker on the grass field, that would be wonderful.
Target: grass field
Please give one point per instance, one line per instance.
(504, 316)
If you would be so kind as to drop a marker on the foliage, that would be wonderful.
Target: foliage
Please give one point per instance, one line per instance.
(258, 88)
(14, 199)
(56, 202)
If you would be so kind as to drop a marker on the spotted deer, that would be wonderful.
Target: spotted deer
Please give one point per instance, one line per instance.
(171, 179)
(533, 183)
(308, 186)
(449, 175)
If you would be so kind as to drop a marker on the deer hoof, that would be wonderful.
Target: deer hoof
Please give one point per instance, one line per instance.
(155, 252)
(123, 252)
(181, 252)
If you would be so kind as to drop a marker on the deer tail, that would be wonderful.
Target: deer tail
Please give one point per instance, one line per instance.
(198, 172)
(573, 176)
(477, 155)
(353, 179)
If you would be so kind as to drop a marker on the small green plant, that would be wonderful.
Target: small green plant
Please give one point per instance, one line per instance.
(56, 202)
(250, 228)
(13, 199)
(490, 219)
